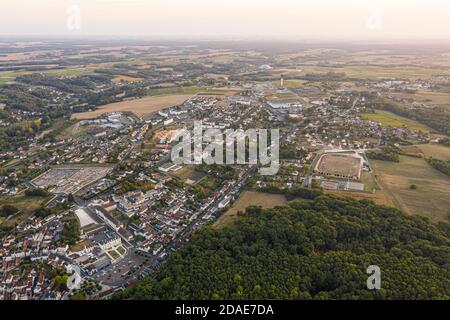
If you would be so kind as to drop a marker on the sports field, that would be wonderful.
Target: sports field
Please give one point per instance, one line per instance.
(339, 165)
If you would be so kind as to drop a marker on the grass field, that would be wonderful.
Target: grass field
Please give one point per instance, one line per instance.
(435, 150)
(22, 203)
(75, 130)
(439, 98)
(139, 107)
(372, 191)
(67, 72)
(80, 245)
(188, 174)
(193, 90)
(380, 197)
(6, 80)
(393, 120)
(370, 183)
(369, 72)
(250, 198)
(121, 78)
(433, 187)
(10, 76)
(428, 150)
(26, 206)
(412, 151)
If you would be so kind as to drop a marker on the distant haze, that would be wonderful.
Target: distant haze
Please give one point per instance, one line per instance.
(327, 19)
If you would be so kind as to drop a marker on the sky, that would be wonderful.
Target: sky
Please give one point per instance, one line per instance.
(359, 19)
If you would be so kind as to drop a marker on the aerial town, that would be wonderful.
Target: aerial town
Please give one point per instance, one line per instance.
(87, 181)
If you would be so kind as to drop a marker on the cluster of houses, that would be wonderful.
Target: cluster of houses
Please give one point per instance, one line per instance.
(21, 278)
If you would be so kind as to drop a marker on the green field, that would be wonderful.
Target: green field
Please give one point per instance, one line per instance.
(67, 72)
(393, 120)
(6, 80)
(250, 198)
(433, 187)
(435, 150)
(114, 255)
(22, 203)
(372, 72)
(26, 206)
(10, 76)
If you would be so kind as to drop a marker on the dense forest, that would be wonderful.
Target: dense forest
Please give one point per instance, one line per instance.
(71, 232)
(310, 249)
(385, 154)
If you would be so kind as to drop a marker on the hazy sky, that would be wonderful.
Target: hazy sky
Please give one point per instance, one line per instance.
(244, 18)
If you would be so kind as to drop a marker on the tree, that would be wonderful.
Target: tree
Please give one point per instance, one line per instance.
(310, 249)
(8, 210)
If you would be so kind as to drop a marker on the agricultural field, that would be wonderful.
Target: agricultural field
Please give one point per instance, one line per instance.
(139, 107)
(121, 78)
(23, 203)
(412, 151)
(435, 150)
(438, 98)
(393, 120)
(6, 80)
(250, 198)
(10, 76)
(80, 245)
(427, 150)
(430, 199)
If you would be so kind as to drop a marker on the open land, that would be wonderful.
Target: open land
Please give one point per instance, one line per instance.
(340, 165)
(139, 107)
(431, 197)
(393, 120)
(250, 198)
(436, 151)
